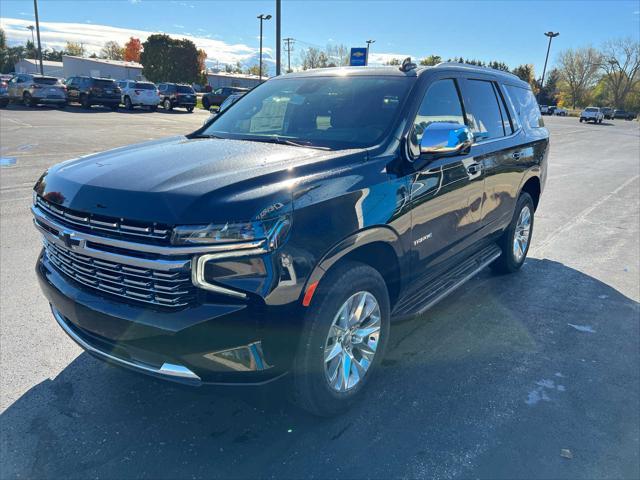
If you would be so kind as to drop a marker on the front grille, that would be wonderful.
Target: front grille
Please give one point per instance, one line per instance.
(113, 227)
(164, 288)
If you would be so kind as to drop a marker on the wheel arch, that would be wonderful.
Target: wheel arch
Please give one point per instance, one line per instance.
(533, 187)
(378, 247)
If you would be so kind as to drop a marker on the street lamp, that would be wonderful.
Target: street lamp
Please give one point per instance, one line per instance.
(369, 42)
(33, 39)
(262, 17)
(551, 36)
(35, 8)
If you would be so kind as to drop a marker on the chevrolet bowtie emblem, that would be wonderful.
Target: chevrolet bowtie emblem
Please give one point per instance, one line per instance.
(65, 236)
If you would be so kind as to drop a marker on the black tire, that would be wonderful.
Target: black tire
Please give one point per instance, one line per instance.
(153, 108)
(190, 109)
(127, 103)
(508, 262)
(205, 103)
(310, 386)
(62, 106)
(27, 100)
(84, 101)
(114, 107)
(166, 104)
(580, 120)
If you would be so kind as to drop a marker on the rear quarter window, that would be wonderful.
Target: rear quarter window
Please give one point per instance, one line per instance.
(525, 106)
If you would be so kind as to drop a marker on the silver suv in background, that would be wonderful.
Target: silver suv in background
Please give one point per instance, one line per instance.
(591, 114)
(141, 94)
(35, 90)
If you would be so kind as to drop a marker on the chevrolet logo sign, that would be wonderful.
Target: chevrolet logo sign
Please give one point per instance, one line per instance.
(358, 54)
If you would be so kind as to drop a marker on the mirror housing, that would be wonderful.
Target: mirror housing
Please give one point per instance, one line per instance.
(443, 139)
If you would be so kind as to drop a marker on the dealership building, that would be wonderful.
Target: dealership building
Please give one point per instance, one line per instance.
(99, 67)
(30, 65)
(224, 79)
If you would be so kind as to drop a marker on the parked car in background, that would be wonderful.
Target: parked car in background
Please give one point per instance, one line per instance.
(560, 112)
(591, 114)
(623, 114)
(174, 95)
(607, 112)
(139, 94)
(4, 94)
(544, 110)
(219, 95)
(231, 99)
(35, 90)
(282, 238)
(88, 91)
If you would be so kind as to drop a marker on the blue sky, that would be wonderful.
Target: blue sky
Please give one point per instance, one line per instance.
(510, 31)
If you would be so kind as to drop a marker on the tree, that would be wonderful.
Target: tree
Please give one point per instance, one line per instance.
(393, 62)
(132, 50)
(53, 55)
(165, 59)
(112, 51)
(620, 62)
(255, 70)
(75, 49)
(549, 92)
(30, 50)
(498, 66)
(578, 70)
(431, 60)
(202, 57)
(526, 74)
(237, 68)
(338, 55)
(314, 58)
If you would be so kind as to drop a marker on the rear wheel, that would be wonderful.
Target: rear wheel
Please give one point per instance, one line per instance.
(167, 105)
(127, 103)
(205, 103)
(84, 101)
(189, 109)
(516, 239)
(114, 107)
(345, 332)
(28, 100)
(153, 108)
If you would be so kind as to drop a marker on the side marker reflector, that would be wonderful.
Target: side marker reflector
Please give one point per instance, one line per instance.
(309, 294)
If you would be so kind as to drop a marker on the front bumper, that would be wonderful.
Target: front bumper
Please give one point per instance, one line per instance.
(207, 344)
(50, 100)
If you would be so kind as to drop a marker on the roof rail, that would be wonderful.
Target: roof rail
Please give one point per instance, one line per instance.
(476, 67)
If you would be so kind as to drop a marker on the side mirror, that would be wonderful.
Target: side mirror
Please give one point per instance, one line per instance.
(445, 139)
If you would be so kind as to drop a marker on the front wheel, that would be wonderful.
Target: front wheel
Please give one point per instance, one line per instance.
(345, 332)
(127, 103)
(516, 239)
(189, 109)
(28, 100)
(167, 105)
(205, 103)
(84, 101)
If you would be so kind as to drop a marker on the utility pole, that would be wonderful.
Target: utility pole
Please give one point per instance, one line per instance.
(551, 36)
(278, 35)
(262, 17)
(35, 7)
(289, 48)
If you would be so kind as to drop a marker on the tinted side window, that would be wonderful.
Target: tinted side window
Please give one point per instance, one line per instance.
(441, 103)
(483, 110)
(526, 106)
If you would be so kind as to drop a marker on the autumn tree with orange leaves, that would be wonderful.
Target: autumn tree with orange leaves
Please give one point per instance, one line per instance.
(132, 50)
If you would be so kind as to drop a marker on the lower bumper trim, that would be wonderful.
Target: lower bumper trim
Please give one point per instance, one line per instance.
(166, 370)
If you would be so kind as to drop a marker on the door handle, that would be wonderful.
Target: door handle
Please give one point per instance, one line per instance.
(474, 168)
(516, 155)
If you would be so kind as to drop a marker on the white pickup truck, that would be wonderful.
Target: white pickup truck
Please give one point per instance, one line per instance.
(591, 114)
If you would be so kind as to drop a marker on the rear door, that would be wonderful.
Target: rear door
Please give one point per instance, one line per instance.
(496, 149)
(446, 194)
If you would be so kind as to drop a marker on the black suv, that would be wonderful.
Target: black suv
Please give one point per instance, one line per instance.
(174, 95)
(219, 95)
(283, 237)
(90, 91)
(623, 114)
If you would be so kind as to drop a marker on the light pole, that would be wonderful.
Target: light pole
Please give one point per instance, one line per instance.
(551, 36)
(369, 42)
(262, 17)
(35, 8)
(33, 40)
(278, 35)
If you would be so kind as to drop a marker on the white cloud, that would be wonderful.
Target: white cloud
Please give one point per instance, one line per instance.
(383, 58)
(94, 36)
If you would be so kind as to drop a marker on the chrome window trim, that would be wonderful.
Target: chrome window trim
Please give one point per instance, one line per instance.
(167, 369)
(144, 247)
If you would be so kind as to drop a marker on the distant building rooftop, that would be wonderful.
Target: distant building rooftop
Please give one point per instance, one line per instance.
(233, 75)
(119, 63)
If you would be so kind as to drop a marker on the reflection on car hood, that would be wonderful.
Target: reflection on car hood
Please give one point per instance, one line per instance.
(180, 180)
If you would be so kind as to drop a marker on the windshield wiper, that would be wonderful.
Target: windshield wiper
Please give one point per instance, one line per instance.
(286, 141)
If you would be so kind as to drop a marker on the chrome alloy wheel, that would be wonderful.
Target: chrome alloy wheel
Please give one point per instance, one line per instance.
(352, 341)
(522, 233)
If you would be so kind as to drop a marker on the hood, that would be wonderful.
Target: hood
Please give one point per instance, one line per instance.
(184, 181)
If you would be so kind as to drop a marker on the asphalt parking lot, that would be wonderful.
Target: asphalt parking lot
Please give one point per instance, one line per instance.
(506, 378)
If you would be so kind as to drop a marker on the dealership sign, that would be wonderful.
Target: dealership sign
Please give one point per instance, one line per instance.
(358, 57)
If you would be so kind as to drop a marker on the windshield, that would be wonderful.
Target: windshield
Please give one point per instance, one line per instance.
(185, 89)
(333, 112)
(144, 86)
(45, 80)
(591, 109)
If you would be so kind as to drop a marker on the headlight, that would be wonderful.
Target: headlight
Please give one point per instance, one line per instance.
(273, 231)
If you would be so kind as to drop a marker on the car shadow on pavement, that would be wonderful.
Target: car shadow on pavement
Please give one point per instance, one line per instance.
(492, 382)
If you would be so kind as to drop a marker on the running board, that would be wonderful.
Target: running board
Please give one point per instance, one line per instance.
(428, 295)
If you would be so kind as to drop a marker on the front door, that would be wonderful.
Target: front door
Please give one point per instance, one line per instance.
(447, 193)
